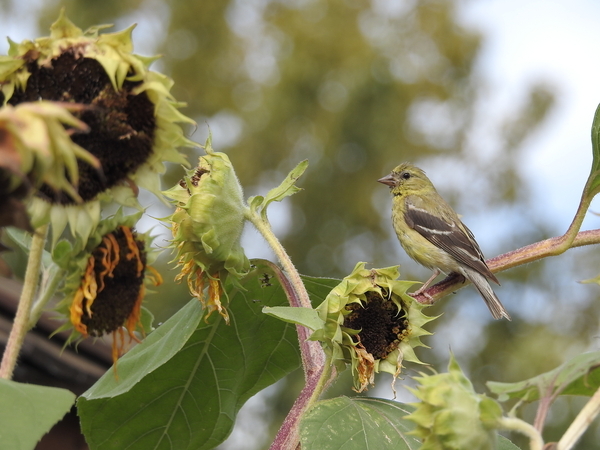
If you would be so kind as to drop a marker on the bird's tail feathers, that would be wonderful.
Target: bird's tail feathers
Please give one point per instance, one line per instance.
(491, 300)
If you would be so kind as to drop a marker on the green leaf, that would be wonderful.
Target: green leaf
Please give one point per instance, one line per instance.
(505, 444)
(29, 411)
(191, 398)
(301, 316)
(23, 240)
(146, 321)
(364, 423)
(287, 187)
(319, 288)
(156, 350)
(594, 179)
(579, 376)
(596, 140)
(62, 253)
(358, 423)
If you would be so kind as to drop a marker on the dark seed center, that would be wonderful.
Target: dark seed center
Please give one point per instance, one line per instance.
(122, 125)
(380, 322)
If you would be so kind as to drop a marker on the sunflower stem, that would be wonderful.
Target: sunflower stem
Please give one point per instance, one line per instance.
(313, 357)
(264, 228)
(288, 437)
(318, 371)
(307, 347)
(514, 424)
(21, 323)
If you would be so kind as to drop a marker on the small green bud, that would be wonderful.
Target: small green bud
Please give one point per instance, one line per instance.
(207, 227)
(451, 415)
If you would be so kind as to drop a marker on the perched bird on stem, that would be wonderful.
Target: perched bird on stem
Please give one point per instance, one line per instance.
(432, 234)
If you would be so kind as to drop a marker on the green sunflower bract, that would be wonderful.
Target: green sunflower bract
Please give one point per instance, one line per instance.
(207, 227)
(36, 149)
(451, 415)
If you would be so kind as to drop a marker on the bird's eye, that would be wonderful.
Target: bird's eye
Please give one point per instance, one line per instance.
(406, 175)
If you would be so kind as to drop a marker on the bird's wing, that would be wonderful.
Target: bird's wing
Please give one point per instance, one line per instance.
(451, 236)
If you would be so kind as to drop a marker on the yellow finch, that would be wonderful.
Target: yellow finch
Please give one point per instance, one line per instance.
(432, 234)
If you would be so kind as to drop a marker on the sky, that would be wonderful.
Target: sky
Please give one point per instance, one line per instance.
(556, 42)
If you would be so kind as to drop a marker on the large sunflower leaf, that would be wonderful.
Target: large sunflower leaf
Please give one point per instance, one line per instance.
(190, 401)
(358, 423)
(318, 288)
(156, 350)
(363, 423)
(29, 411)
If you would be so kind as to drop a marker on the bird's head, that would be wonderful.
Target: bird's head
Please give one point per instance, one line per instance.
(406, 178)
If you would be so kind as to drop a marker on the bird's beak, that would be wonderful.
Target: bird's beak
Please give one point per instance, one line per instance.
(389, 180)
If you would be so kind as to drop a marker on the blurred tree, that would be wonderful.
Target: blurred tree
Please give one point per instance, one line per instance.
(354, 86)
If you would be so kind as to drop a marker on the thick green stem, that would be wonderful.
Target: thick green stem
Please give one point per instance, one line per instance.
(21, 323)
(535, 439)
(265, 229)
(567, 239)
(288, 437)
(313, 357)
(317, 367)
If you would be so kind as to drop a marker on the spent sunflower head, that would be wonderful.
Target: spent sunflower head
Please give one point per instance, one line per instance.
(371, 322)
(36, 149)
(451, 415)
(132, 118)
(106, 280)
(207, 227)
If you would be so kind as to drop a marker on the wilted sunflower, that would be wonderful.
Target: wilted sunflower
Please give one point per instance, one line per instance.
(371, 322)
(35, 150)
(106, 282)
(207, 227)
(131, 115)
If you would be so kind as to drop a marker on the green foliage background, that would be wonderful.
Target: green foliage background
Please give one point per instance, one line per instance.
(356, 92)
